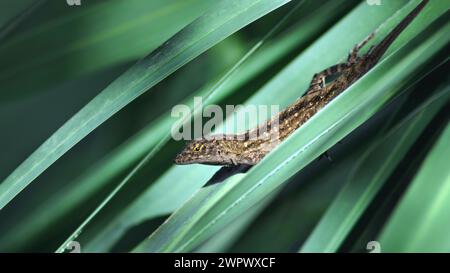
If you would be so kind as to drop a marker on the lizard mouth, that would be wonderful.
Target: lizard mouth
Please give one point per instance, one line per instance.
(182, 159)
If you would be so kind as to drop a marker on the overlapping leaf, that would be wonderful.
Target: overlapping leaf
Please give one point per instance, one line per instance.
(215, 25)
(335, 121)
(420, 222)
(368, 176)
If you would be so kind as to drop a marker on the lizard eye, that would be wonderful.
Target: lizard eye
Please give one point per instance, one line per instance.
(198, 148)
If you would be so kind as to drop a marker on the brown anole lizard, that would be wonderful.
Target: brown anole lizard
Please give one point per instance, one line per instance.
(246, 150)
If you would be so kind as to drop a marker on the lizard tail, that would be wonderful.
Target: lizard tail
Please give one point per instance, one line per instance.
(377, 52)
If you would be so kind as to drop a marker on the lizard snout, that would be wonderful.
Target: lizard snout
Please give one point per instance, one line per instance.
(179, 159)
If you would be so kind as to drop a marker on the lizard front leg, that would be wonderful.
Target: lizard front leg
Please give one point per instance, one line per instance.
(319, 79)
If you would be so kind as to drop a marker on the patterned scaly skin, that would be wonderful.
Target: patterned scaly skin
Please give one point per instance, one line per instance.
(250, 147)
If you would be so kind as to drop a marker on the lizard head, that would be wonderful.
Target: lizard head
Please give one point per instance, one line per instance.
(202, 151)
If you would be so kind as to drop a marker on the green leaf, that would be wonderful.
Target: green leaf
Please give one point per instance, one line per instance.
(134, 214)
(226, 237)
(367, 177)
(200, 216)
(219, 22)
(89, 38)
(420, 223)
(310, 192)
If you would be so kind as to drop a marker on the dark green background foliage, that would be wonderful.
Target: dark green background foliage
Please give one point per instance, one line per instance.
(87, 155)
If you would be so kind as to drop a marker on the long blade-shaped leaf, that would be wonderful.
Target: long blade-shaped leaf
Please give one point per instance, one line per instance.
(200, 217)
(151, 198)
(84, 40)
(215, 25)
(420, 223)
(368, 176)
(134, 212)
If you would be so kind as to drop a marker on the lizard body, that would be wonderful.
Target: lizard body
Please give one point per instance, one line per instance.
(246, 149)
